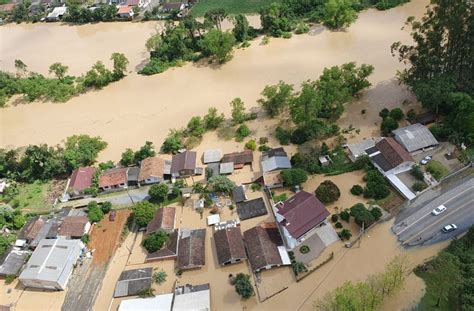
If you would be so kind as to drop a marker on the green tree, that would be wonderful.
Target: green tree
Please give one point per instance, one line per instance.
(4, 244)
(251, 145)
(241, 28)
(327, 192)
(220, 183)
(82, 150)
(445, 267)
(345, 234)
(19, 221)
(145, 151)
(159, 192)
(143, 212)
(172, 143)
(94, 212)
(243, 287)
(239, 114)
(384, 113)
(242, 132)
(376, 212)
(128, 157)
(218, 44)
(388, 125)
(21, 67)
(275, 20)
(357, 190)
(155, 241)
(293, 177)
(397, 114)
(276, 98)
(120, 65)
(362, 215)
(106, 207)
(305, 106)
(216, 17)
(212, 120)
(339, 14)
(59, 70)
(196, 127)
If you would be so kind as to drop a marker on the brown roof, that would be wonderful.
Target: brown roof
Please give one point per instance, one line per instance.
(7, 8)
(302, 212)
(113, 177)
(244, 157)
(35, 227)
(392, 152)
(163, 220)
(183, 161)
(73, 226)
(169, 251)
(229, 244)
(262, 246)
(81, 178)
(191, 249)
(123, 9)
(151, 167)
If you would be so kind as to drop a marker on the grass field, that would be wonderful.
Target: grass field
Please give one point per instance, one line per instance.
(32, 197)
(231, 6)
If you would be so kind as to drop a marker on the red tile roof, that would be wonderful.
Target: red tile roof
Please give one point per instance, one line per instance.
(73, 226)
(262, 247)
(164, 220)
(302, 212)
(113, 177)
(7, 8)
(151, 167)
(229, 244)
(393, 152)
(133, 2)
(81, 178)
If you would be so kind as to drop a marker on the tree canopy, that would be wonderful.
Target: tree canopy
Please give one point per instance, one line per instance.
(328, 192)
(143, 212)
(155, 241)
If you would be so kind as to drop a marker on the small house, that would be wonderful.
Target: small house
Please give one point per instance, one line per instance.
(251, 208)
(81, 179)
(324, 160)
(389, 157)
(239, 159)
(168, 251)
(357, 150)
(238, 193)
(133, 282)
(164, 220)
(12, 262)
(115, 178)
(183, 164)
(275, 159)
(212, 156)
(230, 246)
(74, 227)
(125, 11)
(57, 14)
(174, 6)
(151, 171)
(191, 249)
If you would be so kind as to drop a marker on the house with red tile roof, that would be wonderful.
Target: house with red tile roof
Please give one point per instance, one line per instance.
(230, 246)
(299, 217)
(115, 178)
(81, 179)
(389, 157)
(164, 220)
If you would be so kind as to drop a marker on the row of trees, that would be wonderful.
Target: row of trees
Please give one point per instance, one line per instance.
(61, 87)
(43, 162)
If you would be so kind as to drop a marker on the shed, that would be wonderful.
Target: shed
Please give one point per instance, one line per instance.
(226, 168)
(252, 208)
(132, 282)
(212, 155)
(238, 193)
(213, 219)
(359, 149)
(415, 137)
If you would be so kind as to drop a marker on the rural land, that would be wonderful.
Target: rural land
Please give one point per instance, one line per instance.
(197, 155)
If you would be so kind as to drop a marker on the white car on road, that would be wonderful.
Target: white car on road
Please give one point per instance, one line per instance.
(449, 228)
(438, 210)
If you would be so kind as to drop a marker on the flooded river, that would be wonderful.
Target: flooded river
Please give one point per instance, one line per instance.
(139, 108)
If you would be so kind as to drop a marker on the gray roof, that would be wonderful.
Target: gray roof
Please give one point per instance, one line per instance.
(227, 168)
(52, 261)
(190, 297)
(275, 163)
(360, 148)
(252, 208)
(238, 193)
(415, 137)
(132, 173)
(13, 262)
(214, 168)
(132, 282)
(213, 155)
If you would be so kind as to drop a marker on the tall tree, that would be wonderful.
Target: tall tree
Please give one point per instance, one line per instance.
(59, 70)
(446, 276)
(277, 98)
(339, 14)
(216, 16)
(241, 28)
(120, 65)
(218, 44)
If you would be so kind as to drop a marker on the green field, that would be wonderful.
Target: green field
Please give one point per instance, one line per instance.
(231, 6)
(32, 197)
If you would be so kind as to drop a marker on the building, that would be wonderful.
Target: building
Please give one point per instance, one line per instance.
(226, 168)
(192, 298)
(81, 179)
(240, 159)
(191, 249)
(30, 231)
(132, 282)
(164, 220)
(265, 248)
(275, 159)
(12, 262)
(389, 157)
(162, 302)
(168, 251)
(238, 193)
(415, 138)
(115, 178)
(57, 14)
(74, 227)
(51, 264)
(299, 216)
(183, 164)
(424, 118)
(230, 246)
(132, 176)
(212, 156)
(151, 171)
(173, 6)
(125, 11)
(252, 208)
(7, 8)
(272, 180)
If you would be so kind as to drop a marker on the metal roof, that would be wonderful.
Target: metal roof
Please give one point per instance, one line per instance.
(13, 262)
(132, 282)
(252, 208)
(227, 168)
(190, 297)
(157, 303)
(213, 155)
(238, 193)
(415, 137)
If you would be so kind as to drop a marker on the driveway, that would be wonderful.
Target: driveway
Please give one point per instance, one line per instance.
(417, 226)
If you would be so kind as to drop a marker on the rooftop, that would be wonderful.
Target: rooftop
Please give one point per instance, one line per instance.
(415, 137)
(132, 282)
(212, 155)
(191, 297)
(252, 208)
(168, 251)
(262, 247)
(164, 219)
(73, 226)
(238, 193)
(238, 158)
(13, 262)
(183, 161)
(113, 177)
(191, 249)
(81, 178)
(389, 154)
(158, 303)
(229, 244)
(226, 168)
(151, 167)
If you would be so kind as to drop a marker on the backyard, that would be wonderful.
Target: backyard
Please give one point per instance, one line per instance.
(37, 197)
(230, 6)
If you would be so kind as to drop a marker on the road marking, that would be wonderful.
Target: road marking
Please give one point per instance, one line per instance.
(436, 222)
(431, 210)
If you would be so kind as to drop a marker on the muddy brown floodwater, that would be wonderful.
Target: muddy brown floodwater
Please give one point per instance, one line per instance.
(139, 108)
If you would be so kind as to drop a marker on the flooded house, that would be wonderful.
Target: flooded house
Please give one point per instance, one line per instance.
(183, 164)
(151, 171)
(229, 244)
(81, 179)
(191, 249)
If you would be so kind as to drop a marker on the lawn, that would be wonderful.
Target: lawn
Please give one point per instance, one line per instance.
(437, 169)
(231, 6)
(32, 197)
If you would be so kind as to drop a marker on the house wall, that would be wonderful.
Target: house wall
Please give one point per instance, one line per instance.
(152, 180)
(115, 187)
(42, 284)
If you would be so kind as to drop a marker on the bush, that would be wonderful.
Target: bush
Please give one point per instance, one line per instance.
(376, 185)
(388, 125)
(384, 113)
(345, 234)
(304, 249)
(160, 276)
(251, 145)
(327, 192)
(357, 190)
(411, 114)
(94, 212)
(299, 136)
(283, 136)
(155, 241)
(345, 216)
(172, 144)
(242, 132)
(376, 212)
(361, 215)
(255, 187)
(243, 287)
(9, 279)
(419, 186)
(263, 140)
(159, 192)
(85, 238)
(334, 217)
(338, 225)
(298, 267)
(293, 177)
(417, 172)
(436, 169)
(106, 207)
(301, 28)
(397, 114)
(264, 148)
(143, 212)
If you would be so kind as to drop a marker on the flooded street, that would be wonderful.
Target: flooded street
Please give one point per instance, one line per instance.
(139, 108)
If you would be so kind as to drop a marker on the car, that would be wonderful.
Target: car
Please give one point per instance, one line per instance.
(449, 228)
(438, 210)
(112, 215)
(426, 159)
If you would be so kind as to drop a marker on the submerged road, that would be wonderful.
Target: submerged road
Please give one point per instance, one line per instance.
(417, 226)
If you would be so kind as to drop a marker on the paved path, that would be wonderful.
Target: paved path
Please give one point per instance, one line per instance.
(417, 226)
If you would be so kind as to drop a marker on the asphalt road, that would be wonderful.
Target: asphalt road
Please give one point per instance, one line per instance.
(417, 226)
